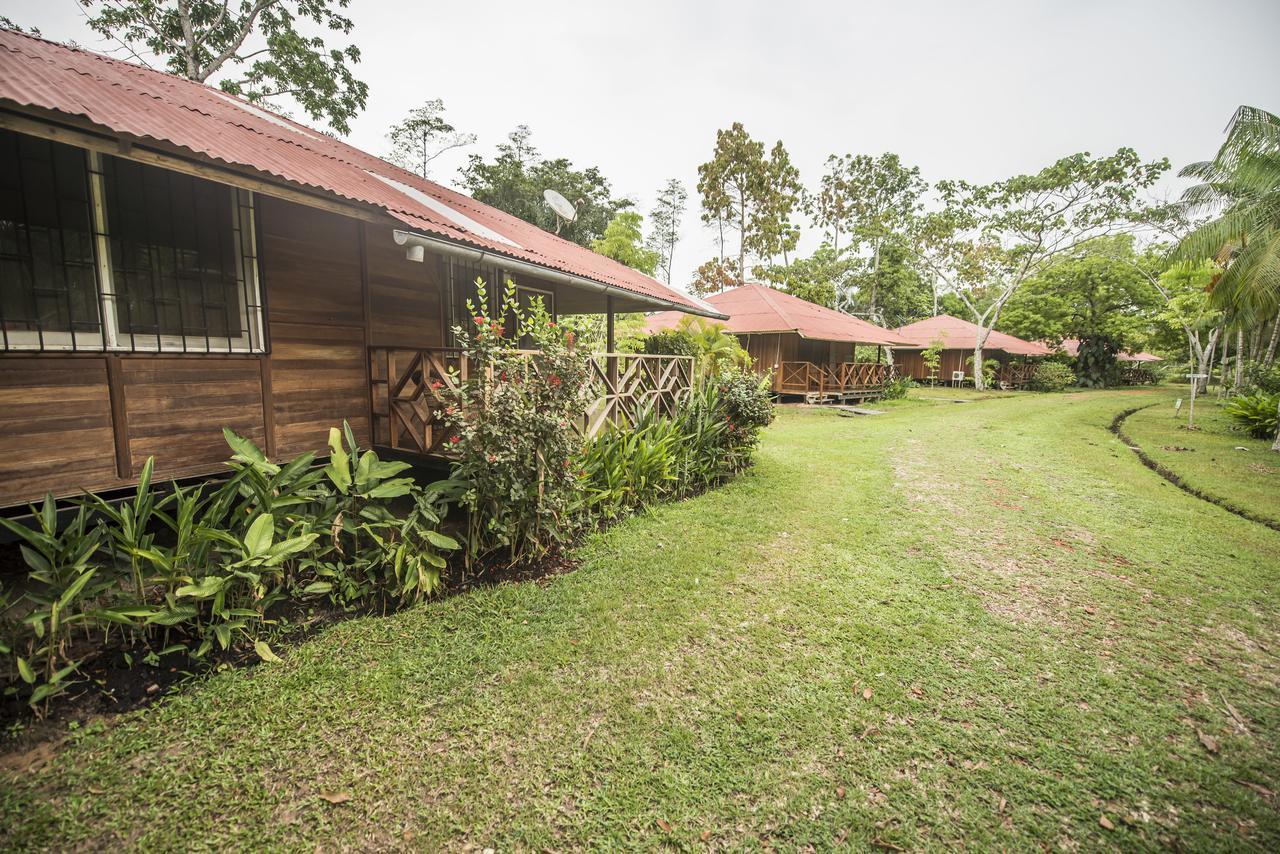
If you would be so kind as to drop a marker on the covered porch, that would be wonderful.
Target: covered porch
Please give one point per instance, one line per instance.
(838, 381)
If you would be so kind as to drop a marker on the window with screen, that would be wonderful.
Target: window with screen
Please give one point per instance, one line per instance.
(49, 294)
(100, 252)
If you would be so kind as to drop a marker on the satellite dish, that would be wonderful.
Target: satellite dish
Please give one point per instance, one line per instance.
(564, 209)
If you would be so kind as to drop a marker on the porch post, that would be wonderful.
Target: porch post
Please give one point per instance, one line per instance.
(611, 361)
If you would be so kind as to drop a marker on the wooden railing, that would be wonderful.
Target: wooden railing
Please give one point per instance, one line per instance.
(409, 387)
(1015, 374)
(1138, 376)
(845, 377)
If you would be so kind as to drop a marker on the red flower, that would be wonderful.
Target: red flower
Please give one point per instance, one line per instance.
(493, 458)
(479, 320)
(453, 440)
(436, 385)
(551, 324)
(555, 380)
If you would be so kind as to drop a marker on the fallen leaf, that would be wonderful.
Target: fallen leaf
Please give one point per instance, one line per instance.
(265, 653)
(1089, 609)
(917, 690)
(1106, 823)
(335, 797)
(704, 835)
(664, 825)
(1003, 803)
(839, 791)
(866, 693)
(888, 846)
(1210, 743)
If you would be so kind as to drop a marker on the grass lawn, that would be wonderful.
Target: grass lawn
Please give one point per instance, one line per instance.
(1214, 458)
(983, 624)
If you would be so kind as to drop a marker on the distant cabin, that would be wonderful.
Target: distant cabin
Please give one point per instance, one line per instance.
(958, 338)
(808, 349)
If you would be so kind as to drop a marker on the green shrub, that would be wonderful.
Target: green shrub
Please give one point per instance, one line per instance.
(1264, 379)
(1255, 414)
(202, 567)
(712, 436)
(672, 343)
(1051, 376)
(896, 388)
(515, 451)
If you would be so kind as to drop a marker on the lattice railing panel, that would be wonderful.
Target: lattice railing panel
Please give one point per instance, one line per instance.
(408, 388)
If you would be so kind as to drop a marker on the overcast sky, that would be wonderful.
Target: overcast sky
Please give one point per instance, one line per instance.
(976, 90)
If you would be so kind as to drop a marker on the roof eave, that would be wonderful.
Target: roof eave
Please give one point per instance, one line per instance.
(477, 253)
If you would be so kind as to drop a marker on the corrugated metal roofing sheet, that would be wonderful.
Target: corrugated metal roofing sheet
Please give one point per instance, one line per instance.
(128, 99)
(756, 308)
(957, 334)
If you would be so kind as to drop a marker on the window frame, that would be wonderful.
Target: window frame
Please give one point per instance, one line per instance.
(108, 338)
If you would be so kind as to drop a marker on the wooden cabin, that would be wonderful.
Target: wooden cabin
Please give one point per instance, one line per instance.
(958, 338)
(1134, 367)
(174, 260)
(808, 349)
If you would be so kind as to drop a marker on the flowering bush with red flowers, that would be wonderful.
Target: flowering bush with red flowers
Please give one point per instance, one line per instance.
(515, 447)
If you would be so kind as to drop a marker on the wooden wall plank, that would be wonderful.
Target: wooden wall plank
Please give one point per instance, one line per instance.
(178, 407)
(405, 297)
(55, 427)
(312, 263)
(318, 379)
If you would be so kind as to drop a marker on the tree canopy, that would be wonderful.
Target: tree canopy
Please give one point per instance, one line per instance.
(623, 241)
(422, 136)
(513, 181)
(253, 47)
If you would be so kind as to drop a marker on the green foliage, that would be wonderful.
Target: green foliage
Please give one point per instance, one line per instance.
(514, 180)
(1096, 365)
(1051, 376)
(1264, 378)
(202, 567)
(932, 355)
(514, 448)
(623, 241)
(665, 220)
(672, 342)
(990, 368)
(896, 388)
(714, 347)
(203, 39)
(1255, 414)
(744, 190)
(1098, 290)
(710, 438)
(1241, 185)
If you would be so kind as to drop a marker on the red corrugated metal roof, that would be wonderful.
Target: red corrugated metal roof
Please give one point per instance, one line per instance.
(128, 99)
(1071, 346)
(957, 334)
(756, 308)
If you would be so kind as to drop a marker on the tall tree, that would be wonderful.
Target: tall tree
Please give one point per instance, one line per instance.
(714, 276)
(252, 48)
(665, 220)
(423, 136)
(624, 242)
(882, 197)
(829, 208)
(770, 231)
(1241, 186)
(1096, 294)
(987, 240)
(730, 183)
(516, 177)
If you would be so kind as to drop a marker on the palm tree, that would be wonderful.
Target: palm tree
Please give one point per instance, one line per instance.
(1241, 185)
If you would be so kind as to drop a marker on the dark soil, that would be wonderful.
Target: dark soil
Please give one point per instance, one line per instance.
(118, 679)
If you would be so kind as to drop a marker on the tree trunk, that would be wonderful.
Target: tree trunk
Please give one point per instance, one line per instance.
(1275, 446)
(979, 383)
(1239, 359)
(1271, 347)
